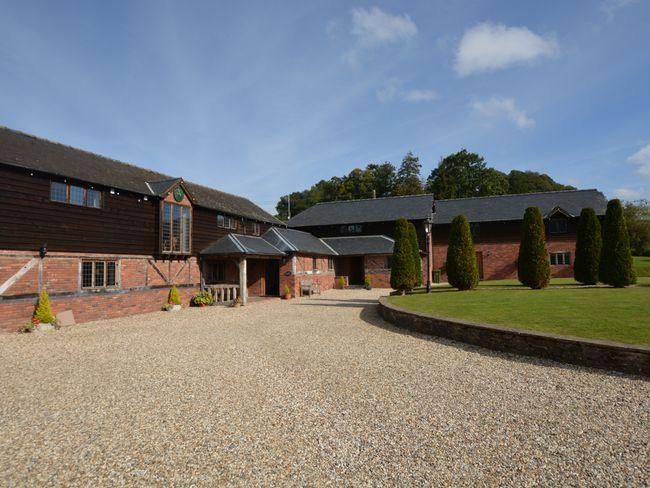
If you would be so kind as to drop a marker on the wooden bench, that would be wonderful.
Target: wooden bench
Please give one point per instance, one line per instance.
(309, 287)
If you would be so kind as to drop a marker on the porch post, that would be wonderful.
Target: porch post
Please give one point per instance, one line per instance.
(243, 291)
(202, 273)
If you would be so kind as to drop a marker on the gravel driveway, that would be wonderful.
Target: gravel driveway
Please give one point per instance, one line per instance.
(312, 391)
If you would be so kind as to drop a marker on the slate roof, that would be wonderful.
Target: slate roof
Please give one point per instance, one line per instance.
(291, 240)
(413, 207)
(360, 245)
(512, 207)
(238, 244)
(34, 153)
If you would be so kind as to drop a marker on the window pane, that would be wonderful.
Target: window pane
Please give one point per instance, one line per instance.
(167, 228)
(187, 229)
(99, 273)
(176, 228)
(110, 273)
(58, 192)
(220, 220)
(77, 195)
(86, 274)
(314, 264)
(94, 198)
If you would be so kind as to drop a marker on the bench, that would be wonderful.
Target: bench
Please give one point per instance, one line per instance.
(308, 287)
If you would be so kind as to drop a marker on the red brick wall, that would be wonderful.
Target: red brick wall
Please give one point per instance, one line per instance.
(301, 269)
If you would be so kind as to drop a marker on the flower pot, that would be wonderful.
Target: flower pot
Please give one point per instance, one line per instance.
(44, 327)
(286, 296)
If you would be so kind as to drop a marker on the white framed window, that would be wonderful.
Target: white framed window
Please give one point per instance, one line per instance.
(561, 258)
(98, 274)
(256, 228)
(58, 192)
(226, 222)
(351, 229)
(75, 195)
(330, 264)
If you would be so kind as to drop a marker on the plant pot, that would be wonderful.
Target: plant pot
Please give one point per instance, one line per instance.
(286, 296)
(44, 327)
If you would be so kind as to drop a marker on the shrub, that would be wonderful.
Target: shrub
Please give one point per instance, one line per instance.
(43, 313)
(202, 298)
(287, 290)
(462, 270)
(367, 282)
(26, 328)
(401, 273)
(588, 248)
(417, 260)
(174, 297)
(341, 282)
(616, 258)
(533, 267)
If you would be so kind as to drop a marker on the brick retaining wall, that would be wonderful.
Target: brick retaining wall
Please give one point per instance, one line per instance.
(592, 353)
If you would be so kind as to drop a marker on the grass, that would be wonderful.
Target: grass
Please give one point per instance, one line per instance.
(614, 314)
(642, 266)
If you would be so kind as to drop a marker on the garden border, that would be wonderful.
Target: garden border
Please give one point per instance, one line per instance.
(627, 358)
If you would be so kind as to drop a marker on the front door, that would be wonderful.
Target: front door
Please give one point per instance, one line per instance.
(272, 278)
(356, 270)
(479, 263)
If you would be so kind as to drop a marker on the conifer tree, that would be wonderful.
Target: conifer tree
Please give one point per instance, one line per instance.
(401, 273)
(462, 268)
(588, 248)
(533, 267)
(417, 260)
(43, 313)
(174, 298)
(616, 258)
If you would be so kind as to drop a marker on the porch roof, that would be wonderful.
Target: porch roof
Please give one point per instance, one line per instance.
(242, 245)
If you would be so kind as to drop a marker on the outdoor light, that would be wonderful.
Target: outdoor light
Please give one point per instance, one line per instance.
(43, 251)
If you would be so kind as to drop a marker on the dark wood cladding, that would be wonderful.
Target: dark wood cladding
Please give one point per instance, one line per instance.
(126, 223)
(507, 231)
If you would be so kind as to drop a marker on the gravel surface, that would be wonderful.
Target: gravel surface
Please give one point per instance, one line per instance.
(308, 392)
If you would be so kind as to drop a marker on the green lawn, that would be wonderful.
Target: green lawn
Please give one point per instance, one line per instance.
(642, 266)
(615, 314)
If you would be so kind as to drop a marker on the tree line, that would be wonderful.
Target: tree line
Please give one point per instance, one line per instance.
(460, 175)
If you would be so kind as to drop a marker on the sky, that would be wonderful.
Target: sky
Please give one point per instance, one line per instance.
(264, 98)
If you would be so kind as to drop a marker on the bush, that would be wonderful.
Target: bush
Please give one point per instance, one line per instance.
(588, 248)
(287, 290)
(26, 328)
(533, 267)
(402, 272)
(43, 313)
(616, 258)
(417, 260)
(341, 282)
(174, 298)
(367, 282)
(462, 269)
(202, 298)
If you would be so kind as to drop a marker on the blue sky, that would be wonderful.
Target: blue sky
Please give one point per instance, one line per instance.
(264, 98)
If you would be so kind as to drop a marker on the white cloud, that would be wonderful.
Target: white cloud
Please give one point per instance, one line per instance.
(609, 7)
(627, 193)
(392, 91)
(373, 28)
(642, 159)
(421, 96)
(503, 107)
(488, 47)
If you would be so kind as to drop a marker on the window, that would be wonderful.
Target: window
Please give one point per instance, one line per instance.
(75, 195)
(389, 262)
(176, 228)
(561, 258)
(256, 229)
(217, 272)
(351, 229)
(226, 222)
(314, 264)
(330, 264)
(98, 274)
(557, 226)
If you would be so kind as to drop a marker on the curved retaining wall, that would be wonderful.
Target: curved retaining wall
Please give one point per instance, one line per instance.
(585, 352)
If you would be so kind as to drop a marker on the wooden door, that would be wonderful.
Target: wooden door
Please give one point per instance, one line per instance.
(479, 262)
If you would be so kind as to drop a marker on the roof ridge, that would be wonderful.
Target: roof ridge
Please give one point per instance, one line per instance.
(519, 194)
(354, 237)
(378, 198)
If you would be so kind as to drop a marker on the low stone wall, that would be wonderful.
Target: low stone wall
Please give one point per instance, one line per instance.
(585, 352)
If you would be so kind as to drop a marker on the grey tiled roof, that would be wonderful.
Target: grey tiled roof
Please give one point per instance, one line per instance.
(413, 207)
(512, 207)
(33, 153)
(238, 244)
(360, 245)
(291, 240)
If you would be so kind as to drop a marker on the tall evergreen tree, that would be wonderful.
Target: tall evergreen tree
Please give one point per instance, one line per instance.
(408, 181)
(588, 248)
(533, 267)
(417, 260)
(616, 259)
(401, 273)
(462, 268)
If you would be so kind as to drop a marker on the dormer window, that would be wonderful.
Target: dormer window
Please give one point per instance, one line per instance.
(176, 228)
(557, 225)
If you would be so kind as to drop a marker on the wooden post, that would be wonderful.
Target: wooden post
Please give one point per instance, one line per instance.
(202, 273)
(243, 291)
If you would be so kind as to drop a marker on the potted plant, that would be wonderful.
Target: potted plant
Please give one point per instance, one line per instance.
(287, 292)
(237, 302)
(202, 299)
(173, 300)
(367, 282)
(341, 282)
(43, 318)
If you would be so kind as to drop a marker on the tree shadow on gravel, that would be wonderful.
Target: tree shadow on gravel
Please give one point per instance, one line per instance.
(370, 315)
